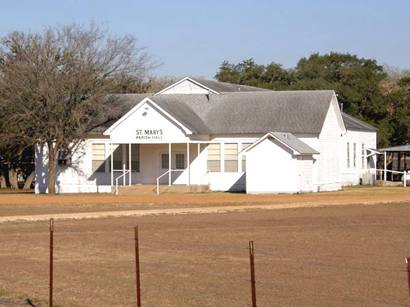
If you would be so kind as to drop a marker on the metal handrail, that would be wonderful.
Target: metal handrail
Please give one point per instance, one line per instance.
(384, 171)
(167, 172)
(118, 178)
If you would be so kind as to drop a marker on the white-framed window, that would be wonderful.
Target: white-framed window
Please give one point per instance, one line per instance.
(244, 146)
(98, 157)
(354, 155)
(164, 161)
(231, 157)
(214, 157)
(117, 157)
(180, 161)
(348, 155)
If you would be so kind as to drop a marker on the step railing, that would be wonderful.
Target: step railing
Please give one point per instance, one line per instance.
(118, 178)
(167, 173)
(383, 175)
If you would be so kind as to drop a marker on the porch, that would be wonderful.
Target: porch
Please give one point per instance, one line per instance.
(158, 164)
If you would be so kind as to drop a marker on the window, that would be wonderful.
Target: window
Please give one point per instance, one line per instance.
(164, 161)
(231, 157)
(244, 146)
(98, 157)
(214, 157)
(348, 155)
(64, 158)
(363, 157)
(117, 157)
(354, 155)
(180, 161)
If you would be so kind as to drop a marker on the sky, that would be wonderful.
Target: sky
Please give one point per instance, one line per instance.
(192, 38)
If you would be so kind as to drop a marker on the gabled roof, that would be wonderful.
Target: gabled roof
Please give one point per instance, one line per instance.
(238, 113)
(353, 123)
(214, 87)
(225, 87)
(255, 112)
(289, 140)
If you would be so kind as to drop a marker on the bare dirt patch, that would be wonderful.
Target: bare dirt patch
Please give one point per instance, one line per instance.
(30, 204)
(330, 256)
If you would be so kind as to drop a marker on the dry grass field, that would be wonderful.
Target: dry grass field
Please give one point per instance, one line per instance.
(349, 255)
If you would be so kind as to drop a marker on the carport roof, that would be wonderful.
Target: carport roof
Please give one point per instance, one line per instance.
(403, 148)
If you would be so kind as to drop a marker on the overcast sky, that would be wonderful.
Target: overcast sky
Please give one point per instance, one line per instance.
(194, 37)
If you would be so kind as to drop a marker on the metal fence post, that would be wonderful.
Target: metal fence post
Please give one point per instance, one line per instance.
(50, 295)
(137, 267)
(252, 269)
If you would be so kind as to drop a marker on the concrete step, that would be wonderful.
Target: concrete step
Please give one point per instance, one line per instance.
(151, 189)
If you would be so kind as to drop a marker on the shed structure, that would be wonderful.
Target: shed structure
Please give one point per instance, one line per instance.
(279, 163)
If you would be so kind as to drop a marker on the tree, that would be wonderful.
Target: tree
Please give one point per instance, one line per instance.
(360, 84)
(247, 72)
(55, 83)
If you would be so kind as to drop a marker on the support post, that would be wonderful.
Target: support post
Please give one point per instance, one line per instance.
(188, 163)
(405, 178)
(129, 165)
(385, 167)
(112, 164)
(124, 156)
(169, 164)
(50, 294)
(137, 267)
(252, 269)
(408, 272)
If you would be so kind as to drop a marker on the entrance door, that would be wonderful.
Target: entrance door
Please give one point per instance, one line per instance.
(178, 161)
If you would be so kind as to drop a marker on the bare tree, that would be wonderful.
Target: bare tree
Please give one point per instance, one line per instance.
(53, 85)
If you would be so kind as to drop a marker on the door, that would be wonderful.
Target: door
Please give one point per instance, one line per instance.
(178, 165)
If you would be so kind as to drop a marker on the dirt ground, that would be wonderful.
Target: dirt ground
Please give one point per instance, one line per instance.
(329, 256)
(30, 204)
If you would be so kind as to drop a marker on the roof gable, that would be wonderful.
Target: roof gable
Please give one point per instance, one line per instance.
(145, 101)
(290, 141)
(186, 86)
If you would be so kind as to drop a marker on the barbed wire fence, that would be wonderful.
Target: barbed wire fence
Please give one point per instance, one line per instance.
(252, 272)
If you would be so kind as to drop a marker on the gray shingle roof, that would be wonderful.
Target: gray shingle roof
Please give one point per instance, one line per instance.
(237, 113)
(353, 123)
(289, 140)
(293, 142)
(225, 87)
(254, 112)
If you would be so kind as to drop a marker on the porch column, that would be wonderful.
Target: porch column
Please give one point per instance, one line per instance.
(112, 165)
(385, 167)
(188, 164)
(129, 165)
(124, 156)
(169, 164)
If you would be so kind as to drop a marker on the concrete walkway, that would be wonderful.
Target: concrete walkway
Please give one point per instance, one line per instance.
(173, 211)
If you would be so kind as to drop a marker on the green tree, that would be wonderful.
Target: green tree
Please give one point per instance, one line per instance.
(357, 82)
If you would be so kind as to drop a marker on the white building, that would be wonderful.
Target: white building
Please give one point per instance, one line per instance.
(226, 137)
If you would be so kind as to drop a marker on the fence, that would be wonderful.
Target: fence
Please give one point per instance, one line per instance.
(137, 268)
(253, 285)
